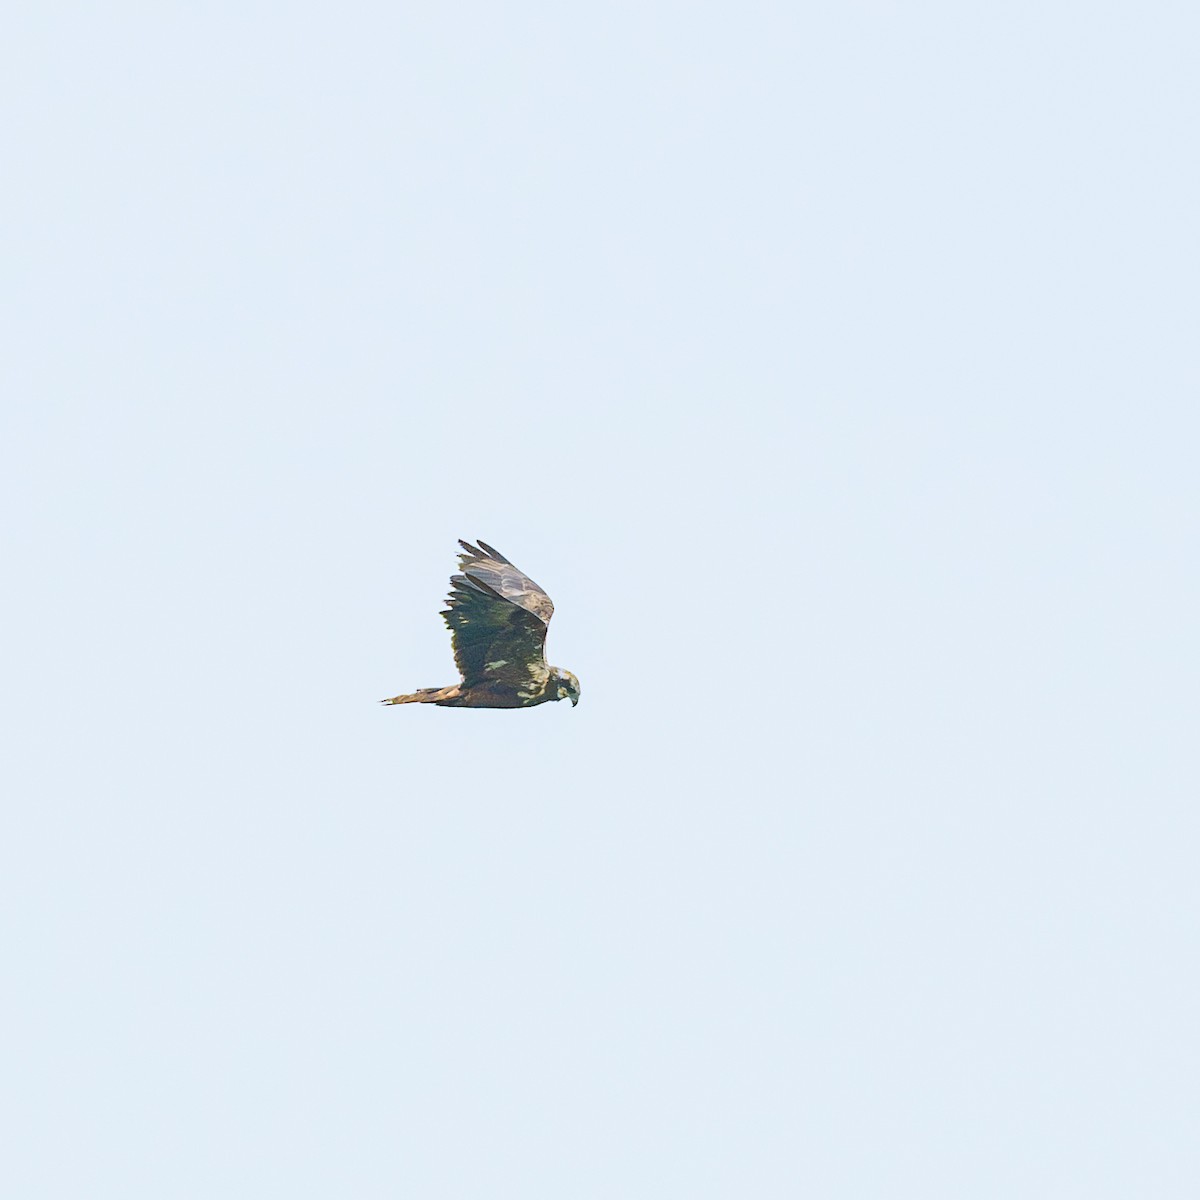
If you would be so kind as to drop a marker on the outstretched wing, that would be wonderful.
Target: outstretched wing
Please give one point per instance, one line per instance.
(497, 618)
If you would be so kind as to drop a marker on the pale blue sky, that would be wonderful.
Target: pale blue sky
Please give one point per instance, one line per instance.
(834, 368)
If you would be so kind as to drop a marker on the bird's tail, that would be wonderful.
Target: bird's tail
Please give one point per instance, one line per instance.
(425, 696)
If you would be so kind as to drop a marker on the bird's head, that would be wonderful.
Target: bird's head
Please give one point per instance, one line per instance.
(568, 686)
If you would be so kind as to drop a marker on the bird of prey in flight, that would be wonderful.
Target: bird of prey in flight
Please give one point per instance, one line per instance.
(498, 618)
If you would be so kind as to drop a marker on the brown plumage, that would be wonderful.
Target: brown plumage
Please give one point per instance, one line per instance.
(498, 618)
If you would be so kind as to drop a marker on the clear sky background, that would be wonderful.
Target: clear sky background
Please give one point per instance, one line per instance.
(834, 367)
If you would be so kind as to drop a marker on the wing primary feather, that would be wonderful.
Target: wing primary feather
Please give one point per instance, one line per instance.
(493, 552)
(486, 588)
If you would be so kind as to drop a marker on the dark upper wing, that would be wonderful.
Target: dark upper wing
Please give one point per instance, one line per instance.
(497, 618)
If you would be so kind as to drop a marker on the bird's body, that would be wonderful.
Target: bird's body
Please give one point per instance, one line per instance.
(498, 618)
